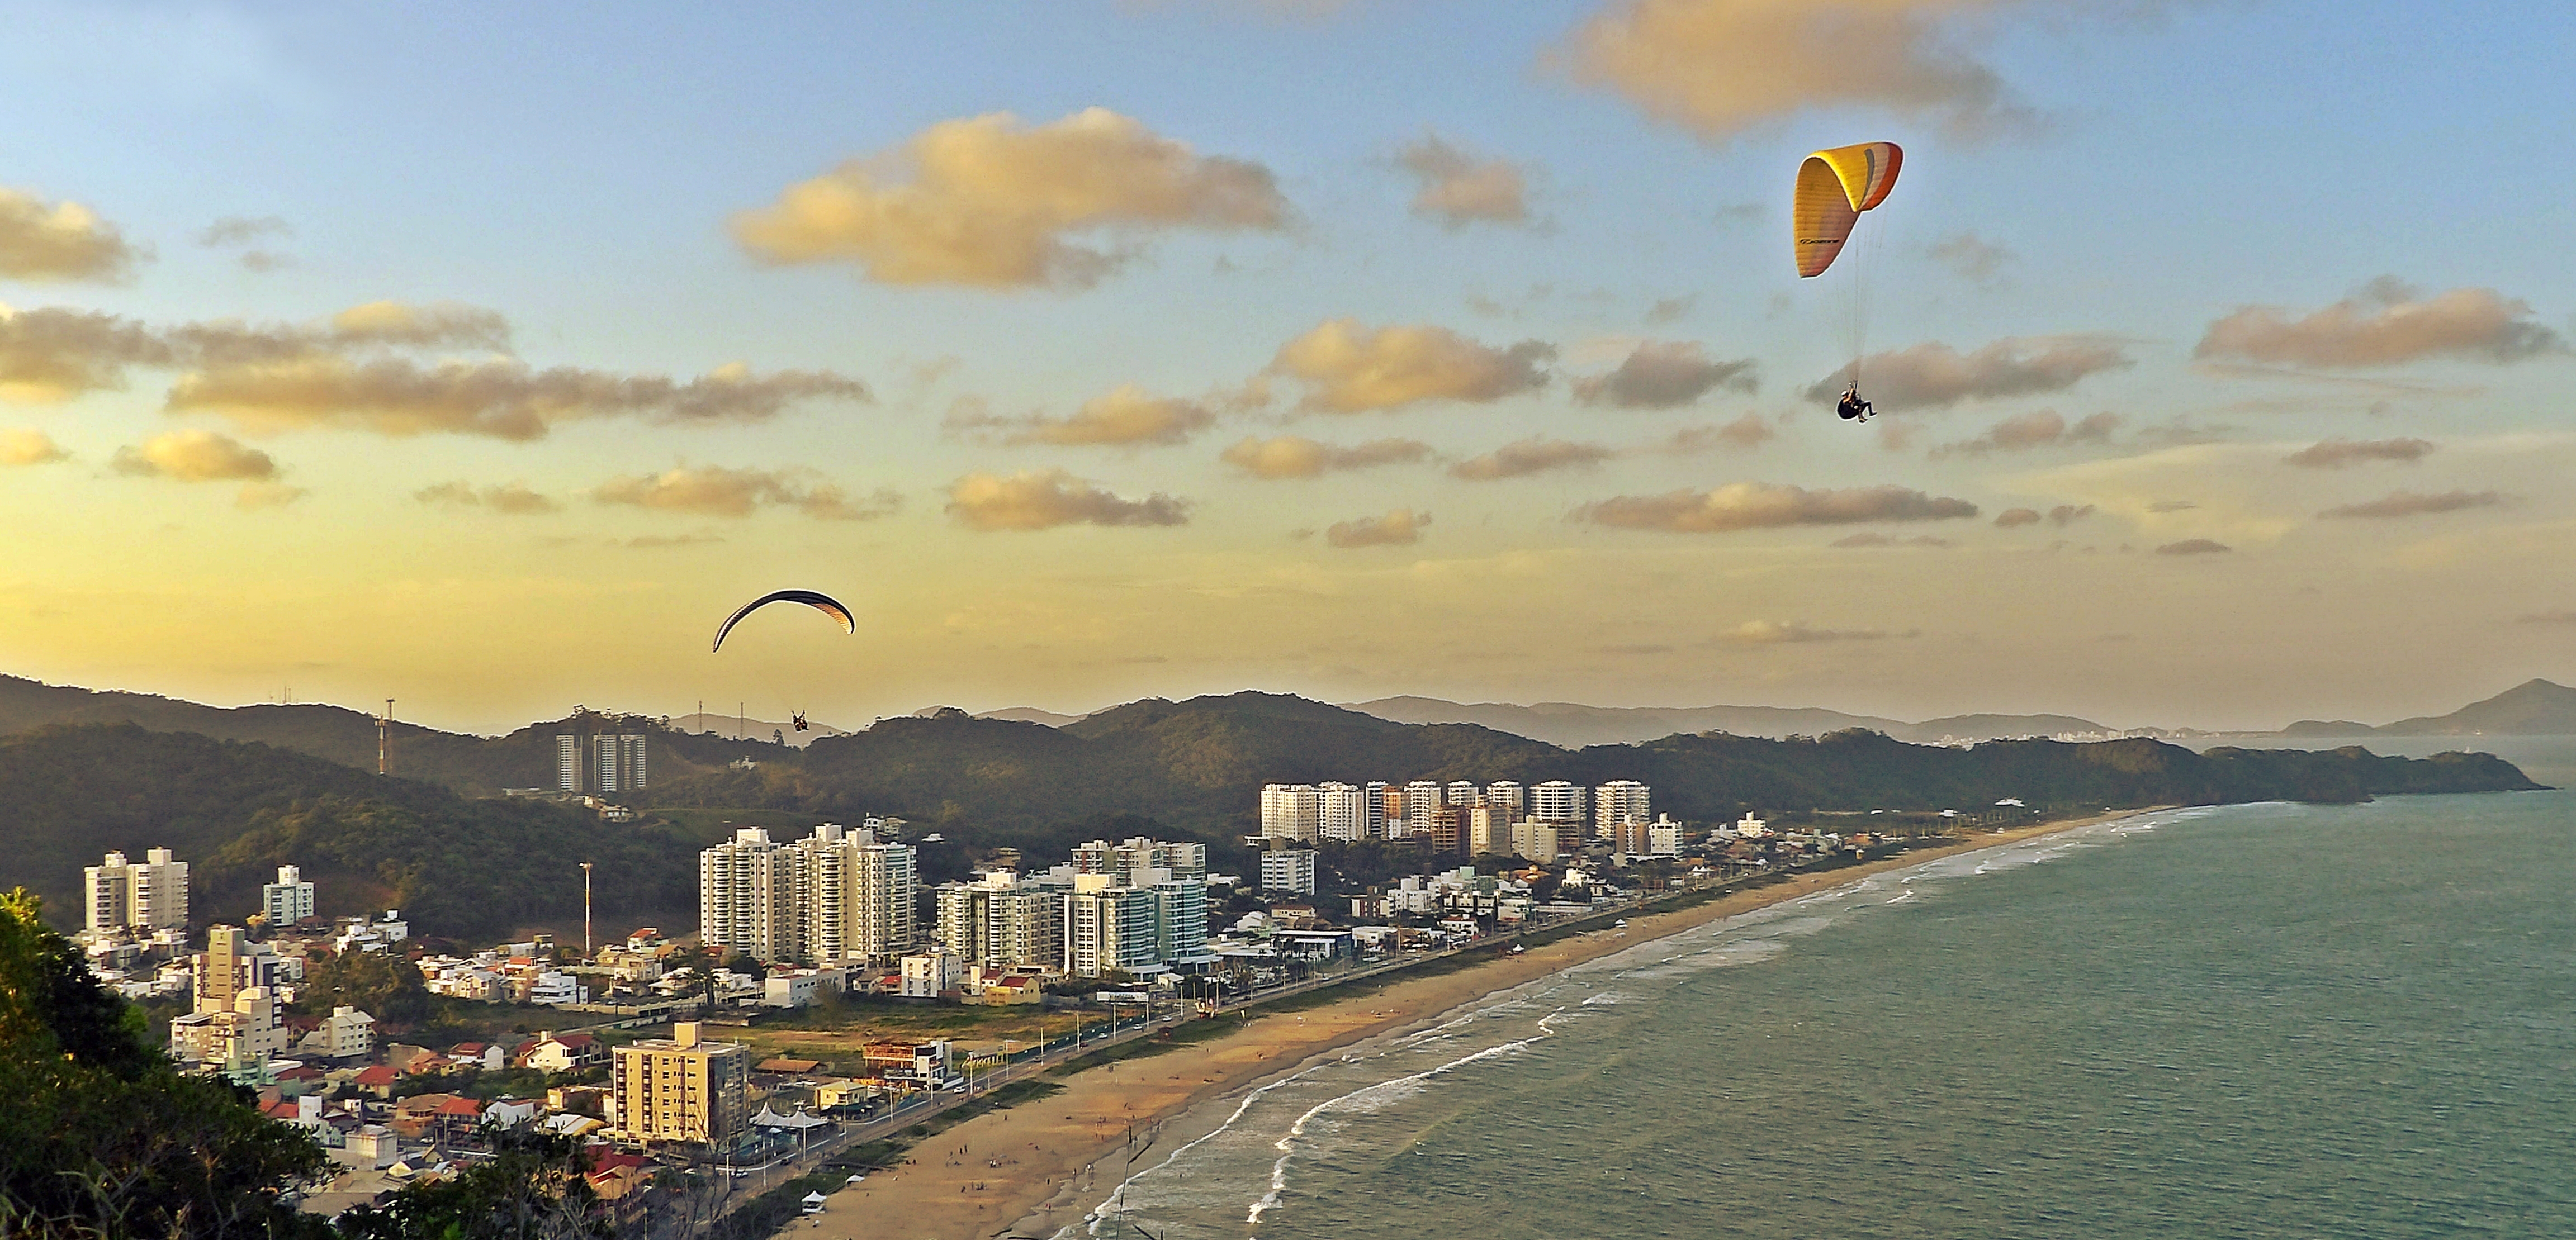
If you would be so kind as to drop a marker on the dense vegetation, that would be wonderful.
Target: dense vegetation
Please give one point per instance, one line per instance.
(455, 866)
(102, 1136)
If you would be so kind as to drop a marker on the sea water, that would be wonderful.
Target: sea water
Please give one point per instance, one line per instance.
(2268, 1020)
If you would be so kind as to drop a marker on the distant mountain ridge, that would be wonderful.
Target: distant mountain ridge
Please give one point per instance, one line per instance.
(2533, 708)
(1573, 725)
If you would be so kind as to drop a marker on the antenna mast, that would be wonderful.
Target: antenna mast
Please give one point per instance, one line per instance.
(384, 724)
(585, 910)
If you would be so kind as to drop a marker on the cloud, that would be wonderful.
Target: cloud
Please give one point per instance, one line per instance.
(2338, 453)
(1737, 213)
(420, 326)
(1534, 455)
(2397, 504)
(194, 456)
(2194, 546)
(500, 398)
(2547, 617)
(1037, 499)
(1973, 257)
(1932, 375)
(1352, 368)
(25, 447)
(1664, 375)
(50, 355)
(988, 202)
(513, 498)
(1756, 505)
(2015, 518)
(1126, 416)
(2386, 324)
(2039, 429)
(64, 242)
(647, 542)
(234, 230)
(1400, 527)
(1721, 67)
(1745, 434)
(1883, 540)
(266, 494)
(1669, 309)
(1774, 633)
(715, 490)
(2163, 506)
(2065, 515)
(1457, 189)
(1294, 456)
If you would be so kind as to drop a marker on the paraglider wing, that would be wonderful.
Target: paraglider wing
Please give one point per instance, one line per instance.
(815, 599)
(1834, 187)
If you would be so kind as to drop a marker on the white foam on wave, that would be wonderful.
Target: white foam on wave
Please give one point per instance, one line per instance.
(1371, 1098)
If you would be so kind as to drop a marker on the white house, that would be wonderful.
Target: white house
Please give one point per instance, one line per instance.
(933, 973)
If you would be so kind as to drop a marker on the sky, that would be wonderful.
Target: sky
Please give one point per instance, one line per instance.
(484, 359)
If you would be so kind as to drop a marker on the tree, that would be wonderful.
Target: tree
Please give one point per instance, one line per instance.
(102, 1136)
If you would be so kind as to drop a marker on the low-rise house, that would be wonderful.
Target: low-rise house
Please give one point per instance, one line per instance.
(561, 1052)
(377, 1080)
(509, 1112)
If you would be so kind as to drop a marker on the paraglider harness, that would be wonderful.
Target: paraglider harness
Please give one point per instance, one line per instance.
(1852, 407)
(801, 725)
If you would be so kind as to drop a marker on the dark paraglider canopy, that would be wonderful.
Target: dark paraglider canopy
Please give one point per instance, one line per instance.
(815, 599)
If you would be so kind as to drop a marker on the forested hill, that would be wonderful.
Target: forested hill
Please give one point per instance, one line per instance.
(1200, 764)
(235, 812)
(479, 765)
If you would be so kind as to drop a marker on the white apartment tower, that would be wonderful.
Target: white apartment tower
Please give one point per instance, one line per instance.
(995, 922)
(145, 897)
(746, 898)
(288, 900)
(1420, 798)
(1288, 812)
(834, 897)
(601, 764)
(1373, 798)
(1340, 812)
(1507, 795)
(1288, 870)
(1620, 800)
(1557, 801)
(1460, 792)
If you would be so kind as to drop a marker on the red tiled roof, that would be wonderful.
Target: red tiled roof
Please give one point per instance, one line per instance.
(300, 1073)
(283, 1108)
(466, 1107)
(376, 1077)
(576, 1041)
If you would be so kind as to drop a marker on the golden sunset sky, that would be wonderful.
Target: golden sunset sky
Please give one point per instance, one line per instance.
(484, 361)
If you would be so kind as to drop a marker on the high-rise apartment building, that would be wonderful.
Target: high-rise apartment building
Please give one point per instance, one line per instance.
(146, 896)
(997, 922)
(1110, 928)
(679, 1088)
(746, 900)
(1127, 860)
(1489, 828)
(1533, 840)
(1446, 833)
(1288, 812)
(1340, 813)
(601, 763)
(1558, 801)
(835, 897)
(1509, 796)
(1616, 802)
(1420, 798)
(1460, 792)
(1379, 803)
(1290, 870)
(288, 900)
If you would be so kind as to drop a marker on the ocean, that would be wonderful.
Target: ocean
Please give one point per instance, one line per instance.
(2266, 1020)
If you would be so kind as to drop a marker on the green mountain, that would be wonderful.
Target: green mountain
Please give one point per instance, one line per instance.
(235, 812)
(1199, 765)
(479, 765)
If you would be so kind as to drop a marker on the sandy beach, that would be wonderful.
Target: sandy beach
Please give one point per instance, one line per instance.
(1033, 1169)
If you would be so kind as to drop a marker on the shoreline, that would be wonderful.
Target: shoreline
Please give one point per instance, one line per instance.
(1051, 1162)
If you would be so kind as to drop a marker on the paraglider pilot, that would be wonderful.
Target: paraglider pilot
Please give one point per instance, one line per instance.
(1852, 407)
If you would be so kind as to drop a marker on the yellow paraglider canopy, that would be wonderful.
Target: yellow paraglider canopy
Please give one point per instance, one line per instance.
(1834, 187)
